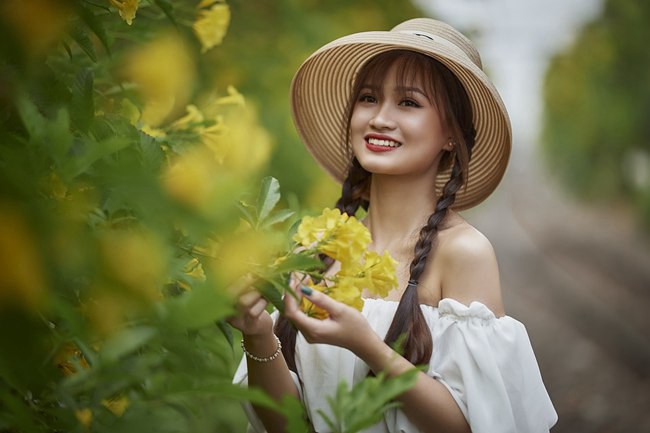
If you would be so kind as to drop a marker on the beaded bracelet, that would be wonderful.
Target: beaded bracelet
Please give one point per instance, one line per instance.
(268, 358)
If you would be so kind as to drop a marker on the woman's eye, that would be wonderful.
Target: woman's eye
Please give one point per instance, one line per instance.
(367, 98)
(409, 103)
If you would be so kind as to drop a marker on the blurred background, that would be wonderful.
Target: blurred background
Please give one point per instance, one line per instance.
(570, 222)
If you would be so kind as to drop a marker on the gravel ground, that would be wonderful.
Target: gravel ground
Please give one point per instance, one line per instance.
(578, 277)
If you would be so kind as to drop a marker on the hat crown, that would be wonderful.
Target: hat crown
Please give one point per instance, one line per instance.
(429, 26)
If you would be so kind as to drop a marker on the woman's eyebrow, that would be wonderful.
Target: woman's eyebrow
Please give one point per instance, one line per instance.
(406, 89)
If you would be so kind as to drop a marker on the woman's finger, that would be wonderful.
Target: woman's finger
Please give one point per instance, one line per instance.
(322, 300)
(257, 308)
(248, 299)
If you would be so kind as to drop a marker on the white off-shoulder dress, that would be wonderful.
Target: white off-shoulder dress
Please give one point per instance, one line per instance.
(486, 363)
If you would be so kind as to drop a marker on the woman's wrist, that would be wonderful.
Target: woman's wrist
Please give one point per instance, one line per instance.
(260, 345)
(380, 356)
(264, 358)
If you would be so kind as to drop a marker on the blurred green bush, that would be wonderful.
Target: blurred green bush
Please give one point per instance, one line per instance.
(596, 132)
(124, 151)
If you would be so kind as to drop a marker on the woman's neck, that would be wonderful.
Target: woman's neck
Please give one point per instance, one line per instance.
(398, 209)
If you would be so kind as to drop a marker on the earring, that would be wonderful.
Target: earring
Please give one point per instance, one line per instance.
(451, 145)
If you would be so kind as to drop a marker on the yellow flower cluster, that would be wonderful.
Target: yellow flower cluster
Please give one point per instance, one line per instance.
(346, 240)
(126, 8)
(211, 24)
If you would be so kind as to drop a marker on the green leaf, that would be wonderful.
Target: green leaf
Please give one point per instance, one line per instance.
(82, 105)
(294, 412)
(92, 152)
(248, 216)
(364, 405)
(277, 217)
(126, 342)
(95, 24)
(80, 36)
(268, 197)
(272, 291)
(297, 262)
(200, 307)
(226, 330)
(167, 8)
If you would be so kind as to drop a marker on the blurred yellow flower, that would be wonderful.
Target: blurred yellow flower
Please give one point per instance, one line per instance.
(117, 405)
(189, 177)
(163, 70)
(193, 116)
(243, 253)
(69, 359)
(211, 25)
(22, 280)
(194, 269)
(84, 416)
(243, 145)
(136, 259)
(39, 24)
(126, 8)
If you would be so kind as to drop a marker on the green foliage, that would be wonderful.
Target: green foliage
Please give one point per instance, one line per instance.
(363, 406)
(597, 97)
(125, 167)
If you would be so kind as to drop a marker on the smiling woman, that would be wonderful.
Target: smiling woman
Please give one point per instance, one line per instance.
(415, 131)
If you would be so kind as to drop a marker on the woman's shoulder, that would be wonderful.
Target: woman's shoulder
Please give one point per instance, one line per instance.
(468, 266)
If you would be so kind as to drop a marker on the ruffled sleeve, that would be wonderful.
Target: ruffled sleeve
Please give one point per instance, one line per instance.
(488, 365)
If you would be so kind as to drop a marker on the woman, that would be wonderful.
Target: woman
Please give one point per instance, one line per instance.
(412, 127)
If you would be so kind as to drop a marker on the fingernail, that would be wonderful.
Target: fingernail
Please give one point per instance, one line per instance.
(306, 290)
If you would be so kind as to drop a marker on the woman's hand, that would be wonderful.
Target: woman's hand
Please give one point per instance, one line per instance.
(345, 327)
(252, 318)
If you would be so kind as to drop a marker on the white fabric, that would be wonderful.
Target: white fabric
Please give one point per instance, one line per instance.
(486, 363)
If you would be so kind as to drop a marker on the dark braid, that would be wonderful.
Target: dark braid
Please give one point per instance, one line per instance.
(409, 322)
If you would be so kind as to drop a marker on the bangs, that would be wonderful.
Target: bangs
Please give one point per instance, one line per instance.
(411, 68)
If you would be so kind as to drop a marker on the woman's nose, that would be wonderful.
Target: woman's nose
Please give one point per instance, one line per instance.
(382, 118)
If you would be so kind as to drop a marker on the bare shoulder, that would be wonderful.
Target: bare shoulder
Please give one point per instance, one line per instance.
(469, 269)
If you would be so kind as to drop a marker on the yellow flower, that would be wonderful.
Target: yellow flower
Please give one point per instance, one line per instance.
(347, 291)
(69, 359)
(117, 405)
(211, 25)
(193, 116)
(311, 309)
(163, 71)
(380, 273)
(38, 24)
(126, 8)
(337, 235)
(84, 416)
(233, 98)
(22, 279)
(194, 269)
(136, 260)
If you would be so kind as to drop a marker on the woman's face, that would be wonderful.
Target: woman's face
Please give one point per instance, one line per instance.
(396, 129)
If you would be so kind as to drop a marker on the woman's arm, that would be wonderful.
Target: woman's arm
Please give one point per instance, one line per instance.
(428, 404)
(273, 376)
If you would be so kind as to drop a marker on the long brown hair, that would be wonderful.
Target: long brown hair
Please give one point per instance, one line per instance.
(452, 102)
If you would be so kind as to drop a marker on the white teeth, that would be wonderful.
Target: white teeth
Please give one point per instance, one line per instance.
(386, 143)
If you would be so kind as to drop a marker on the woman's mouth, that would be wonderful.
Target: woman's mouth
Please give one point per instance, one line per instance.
(381, 144)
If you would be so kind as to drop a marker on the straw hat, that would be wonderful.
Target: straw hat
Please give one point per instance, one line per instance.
(321, 89)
